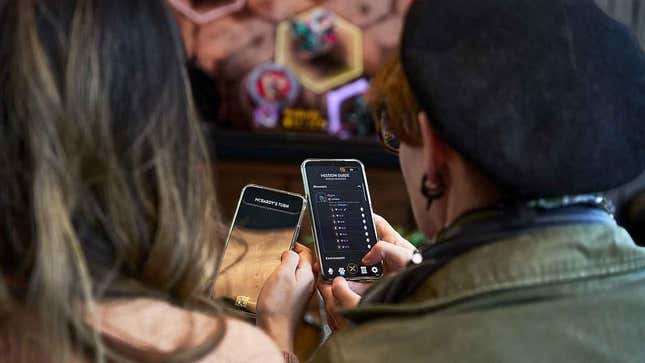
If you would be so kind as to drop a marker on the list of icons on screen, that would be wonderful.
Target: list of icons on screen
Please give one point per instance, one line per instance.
(338, 216)
(352, 269)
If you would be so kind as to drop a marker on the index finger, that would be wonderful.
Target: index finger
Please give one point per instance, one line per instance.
(289, 260)
(306, 257)
(383, 228)
(387, 233)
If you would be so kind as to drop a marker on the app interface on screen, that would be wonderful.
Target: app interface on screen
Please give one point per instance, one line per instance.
(343, 221)
(263, 229)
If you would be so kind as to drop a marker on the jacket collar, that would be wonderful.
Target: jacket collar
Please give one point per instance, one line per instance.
(540, 256)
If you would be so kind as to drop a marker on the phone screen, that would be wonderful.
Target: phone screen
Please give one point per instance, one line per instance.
(266, 223)
(341, 217)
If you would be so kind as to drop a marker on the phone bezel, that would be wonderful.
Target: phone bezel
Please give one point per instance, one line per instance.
(303, 172)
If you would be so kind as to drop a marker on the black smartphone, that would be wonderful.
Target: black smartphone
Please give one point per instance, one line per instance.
(341, 217)
(266, 223)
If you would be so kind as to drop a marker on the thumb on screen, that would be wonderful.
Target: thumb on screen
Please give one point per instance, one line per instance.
(387, 253)
(290, 260)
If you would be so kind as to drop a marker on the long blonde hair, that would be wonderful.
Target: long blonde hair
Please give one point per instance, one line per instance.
(106, 182)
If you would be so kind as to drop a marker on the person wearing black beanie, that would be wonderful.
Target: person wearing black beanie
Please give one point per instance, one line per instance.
(510, 118)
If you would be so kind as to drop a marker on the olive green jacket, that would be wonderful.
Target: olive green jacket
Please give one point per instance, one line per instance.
(571, 293)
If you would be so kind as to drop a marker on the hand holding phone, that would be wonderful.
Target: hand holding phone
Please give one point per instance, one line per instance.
(393, 251)
(285, 295)
(266, 223)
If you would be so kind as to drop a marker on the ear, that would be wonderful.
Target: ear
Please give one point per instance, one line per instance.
(435, 150)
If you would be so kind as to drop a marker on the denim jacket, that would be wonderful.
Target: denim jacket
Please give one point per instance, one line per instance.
(567, 293)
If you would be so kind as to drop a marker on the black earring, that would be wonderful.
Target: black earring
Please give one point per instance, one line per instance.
(432, 192)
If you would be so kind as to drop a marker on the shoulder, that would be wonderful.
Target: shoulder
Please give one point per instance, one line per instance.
(243, 342)
(507, 327)
(393, 338)
(151, 324)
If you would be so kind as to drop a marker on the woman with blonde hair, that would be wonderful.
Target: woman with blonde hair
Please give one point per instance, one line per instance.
(110, 234)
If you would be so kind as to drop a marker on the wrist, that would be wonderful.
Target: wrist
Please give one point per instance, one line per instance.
(281, 332)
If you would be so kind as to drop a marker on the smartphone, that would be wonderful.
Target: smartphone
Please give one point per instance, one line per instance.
(266, 223)
(341, 217)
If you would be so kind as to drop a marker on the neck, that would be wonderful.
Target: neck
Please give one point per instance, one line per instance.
(468, 191)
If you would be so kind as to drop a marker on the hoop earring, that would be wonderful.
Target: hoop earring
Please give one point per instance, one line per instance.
(434, 191)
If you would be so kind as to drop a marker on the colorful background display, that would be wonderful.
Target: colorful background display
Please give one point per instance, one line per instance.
(327, 51)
